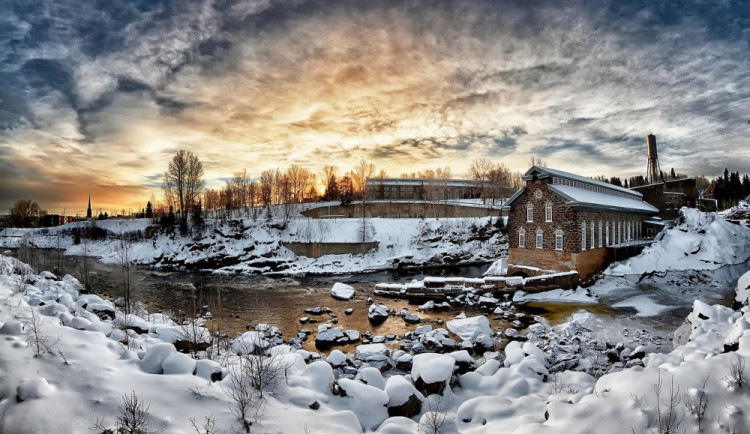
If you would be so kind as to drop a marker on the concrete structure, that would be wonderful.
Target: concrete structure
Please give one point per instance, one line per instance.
(668, 197)
(561, 221)
(405, 209)
(653, 171)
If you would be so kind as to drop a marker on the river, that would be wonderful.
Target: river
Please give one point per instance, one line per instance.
(248, 300)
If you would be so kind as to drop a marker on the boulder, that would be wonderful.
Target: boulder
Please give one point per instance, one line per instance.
(341, 291)
(377, 313)
(403, 398)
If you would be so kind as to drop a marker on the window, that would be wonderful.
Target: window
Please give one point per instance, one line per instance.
(539, 239)
(600, 233)
(558, 239)
(628, 232)
(538, 194)
(606, 233)
(548, 212)
(522, 238)
(529, 213)
(583, 236)
(592, 245)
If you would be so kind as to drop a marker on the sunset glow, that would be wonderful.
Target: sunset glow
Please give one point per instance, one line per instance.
(96, 97)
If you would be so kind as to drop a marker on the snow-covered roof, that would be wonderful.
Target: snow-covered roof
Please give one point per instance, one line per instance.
(422, 181)
(577, 197)
(545, 172)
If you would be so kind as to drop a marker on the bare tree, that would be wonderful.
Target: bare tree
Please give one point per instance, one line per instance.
(361, 174)
(183, 181)
(266, 187)
(433, 419)
(479, 171)
(24, 212)
(125, 250)
(134, 418)
(537, 161)
(35, 337)
(667, 419)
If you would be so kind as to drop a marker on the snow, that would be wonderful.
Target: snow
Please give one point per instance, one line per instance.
(700, 241)
(257, 245)
(576, 196)
(470, 328)
(342, 291)
(578, 296)
(432, 368)
(519, 393)
(645, 305)
(743, 289)
(372, 352)
(399, 390)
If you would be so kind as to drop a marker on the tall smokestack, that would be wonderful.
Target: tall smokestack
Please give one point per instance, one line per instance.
(653, 171)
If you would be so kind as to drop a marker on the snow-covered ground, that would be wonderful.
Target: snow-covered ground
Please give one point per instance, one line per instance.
(257, 246)
(94, 362)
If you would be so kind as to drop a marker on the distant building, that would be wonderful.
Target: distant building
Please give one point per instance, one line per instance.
(49, 220)
(421, 189)
(561, 221)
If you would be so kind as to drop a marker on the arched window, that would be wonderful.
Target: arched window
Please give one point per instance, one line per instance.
(583, 236)
(522, 238)
(529, 213)
(548, 212)
(558, 239)
(539, 239)
(600, 233)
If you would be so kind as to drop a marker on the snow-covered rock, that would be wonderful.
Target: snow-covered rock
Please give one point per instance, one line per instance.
(367, 402)
(431, 372)
(342, 291)
(470, 328)
(403, 397)
(743, 290)
(372, 352)
(33, 389)
(377, 313)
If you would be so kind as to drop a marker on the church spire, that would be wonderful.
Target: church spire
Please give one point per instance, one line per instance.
(88, 211)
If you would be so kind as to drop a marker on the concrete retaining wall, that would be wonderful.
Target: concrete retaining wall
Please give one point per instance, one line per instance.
(316, 250)
(400, 210)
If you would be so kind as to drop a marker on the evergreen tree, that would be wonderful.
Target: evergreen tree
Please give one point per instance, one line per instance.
(149, 210)
(346, 190)
(672, 175)
(332, 189)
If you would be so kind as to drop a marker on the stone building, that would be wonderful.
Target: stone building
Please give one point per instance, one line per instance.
(421, 189)
(561, 221)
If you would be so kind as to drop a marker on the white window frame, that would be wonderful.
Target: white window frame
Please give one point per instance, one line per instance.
(593, 236)
(558, 239)
(522, 238)
(529, 213)
(548, 212)
(600, 234)
(606, 233)
(583, 236)
(539, 239)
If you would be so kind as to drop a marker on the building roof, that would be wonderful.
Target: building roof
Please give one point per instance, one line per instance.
(546, 172)
(577, 197)
(606, 197)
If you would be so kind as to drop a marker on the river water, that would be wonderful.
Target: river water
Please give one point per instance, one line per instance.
(247, 300)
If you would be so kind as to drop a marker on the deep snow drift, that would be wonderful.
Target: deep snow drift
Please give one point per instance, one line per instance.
(257, 246)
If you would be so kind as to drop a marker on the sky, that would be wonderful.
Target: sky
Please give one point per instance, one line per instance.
(96, 96)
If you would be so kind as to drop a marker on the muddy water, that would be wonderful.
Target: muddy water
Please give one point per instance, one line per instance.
(250, 300)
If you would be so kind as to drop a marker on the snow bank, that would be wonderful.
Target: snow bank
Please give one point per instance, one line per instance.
(700, 241)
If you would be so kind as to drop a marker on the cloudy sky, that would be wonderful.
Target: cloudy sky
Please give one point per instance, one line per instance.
(97, 95)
